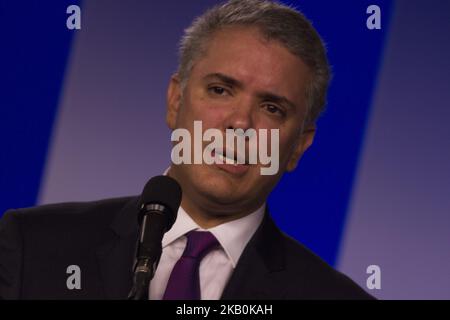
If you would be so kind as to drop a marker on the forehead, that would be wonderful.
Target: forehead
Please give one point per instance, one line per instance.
(260, 64)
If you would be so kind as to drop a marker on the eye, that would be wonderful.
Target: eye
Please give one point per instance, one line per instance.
(217, 90)
(273, 109)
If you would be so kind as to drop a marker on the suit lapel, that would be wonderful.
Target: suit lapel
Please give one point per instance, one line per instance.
(261, 260)
(116, 255)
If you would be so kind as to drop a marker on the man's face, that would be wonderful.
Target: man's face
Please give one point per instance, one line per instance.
(243, 81)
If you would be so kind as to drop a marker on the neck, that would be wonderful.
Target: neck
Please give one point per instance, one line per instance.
(205, 219)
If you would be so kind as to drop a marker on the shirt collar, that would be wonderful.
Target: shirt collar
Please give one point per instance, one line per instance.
(233, 236)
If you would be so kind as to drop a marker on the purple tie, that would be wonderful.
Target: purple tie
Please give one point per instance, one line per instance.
(184, 282)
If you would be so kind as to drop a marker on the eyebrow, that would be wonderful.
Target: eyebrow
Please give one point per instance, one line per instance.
(264, 95)
(225, 79)
(277, 99)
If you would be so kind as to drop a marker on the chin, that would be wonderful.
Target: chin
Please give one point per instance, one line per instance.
(215, 186)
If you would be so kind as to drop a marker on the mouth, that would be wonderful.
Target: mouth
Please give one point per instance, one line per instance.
(225, 157)
(230, 165)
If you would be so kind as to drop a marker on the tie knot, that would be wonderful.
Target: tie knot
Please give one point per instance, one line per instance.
(199, 243)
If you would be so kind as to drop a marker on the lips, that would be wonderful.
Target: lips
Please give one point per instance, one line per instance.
(224, 157)
(234, 168)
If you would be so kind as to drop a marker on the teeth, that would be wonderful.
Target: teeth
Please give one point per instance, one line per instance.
(226, 159)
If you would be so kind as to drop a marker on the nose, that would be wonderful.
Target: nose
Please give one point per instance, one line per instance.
(241, 116)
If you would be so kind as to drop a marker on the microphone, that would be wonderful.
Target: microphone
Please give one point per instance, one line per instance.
(159, 205)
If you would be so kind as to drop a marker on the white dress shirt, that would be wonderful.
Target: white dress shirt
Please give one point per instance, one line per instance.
(216, 267)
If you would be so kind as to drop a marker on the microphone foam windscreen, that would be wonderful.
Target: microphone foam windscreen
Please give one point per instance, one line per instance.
(162, 190)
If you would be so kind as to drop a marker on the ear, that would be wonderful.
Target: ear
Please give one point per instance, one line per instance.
(303, 143)
(173, 101)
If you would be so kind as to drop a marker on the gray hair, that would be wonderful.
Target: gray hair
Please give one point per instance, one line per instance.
(276, 22)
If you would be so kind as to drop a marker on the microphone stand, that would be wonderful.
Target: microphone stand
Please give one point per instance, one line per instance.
(143, 274)
(149, 250)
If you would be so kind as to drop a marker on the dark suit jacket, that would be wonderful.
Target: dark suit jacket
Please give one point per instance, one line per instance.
(38, 244)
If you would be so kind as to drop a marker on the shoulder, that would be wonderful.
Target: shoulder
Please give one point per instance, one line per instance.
(69, 220)
(68, 211)
(38, 243)
(317, 277)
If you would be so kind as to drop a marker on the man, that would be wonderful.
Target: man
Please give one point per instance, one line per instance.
(243, 65)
